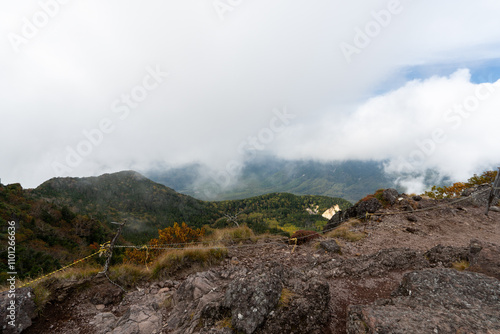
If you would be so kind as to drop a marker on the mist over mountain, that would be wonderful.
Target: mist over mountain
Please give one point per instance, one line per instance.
(350, 180)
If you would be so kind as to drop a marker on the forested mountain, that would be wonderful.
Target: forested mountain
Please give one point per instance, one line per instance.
(47, 235)
(67, 218)
(350, 180)
(147, 206)
(127, 196)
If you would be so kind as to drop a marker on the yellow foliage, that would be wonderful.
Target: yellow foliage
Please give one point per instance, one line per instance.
(456, 189)
(170, 237)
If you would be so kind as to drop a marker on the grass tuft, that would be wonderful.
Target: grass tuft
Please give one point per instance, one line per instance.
(224, 323)
(178, 259)
(128, 275)
(460, 265)
(42, 296)
(343, 232)
(231, 235)
(285, 297)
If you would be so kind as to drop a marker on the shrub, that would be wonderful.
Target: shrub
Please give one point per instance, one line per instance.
(460, 265)
(456, 189)
(343, 232)
(231, 235)
(304, 236)
(128, 275)
(175, 260)
(176, 236)
(285, 297)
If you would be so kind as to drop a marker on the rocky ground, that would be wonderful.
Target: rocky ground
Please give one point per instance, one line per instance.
(398, 279)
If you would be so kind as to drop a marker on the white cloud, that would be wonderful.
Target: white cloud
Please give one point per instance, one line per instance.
(227, 76)
(447, 124)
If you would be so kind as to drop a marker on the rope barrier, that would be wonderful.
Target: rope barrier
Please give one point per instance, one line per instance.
(429, 208)
(106, 247)
(100, 251)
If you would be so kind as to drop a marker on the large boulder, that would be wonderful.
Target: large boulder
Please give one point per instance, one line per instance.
(20, 317)
(371, 206)
(358, 210)
(433, 301)
(390, 196)
(200, 293)
(253, 296)
(446, 255)
(484, 258)
(330, 245)
(302, 310)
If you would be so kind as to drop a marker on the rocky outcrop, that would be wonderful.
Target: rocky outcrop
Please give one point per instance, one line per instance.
(303, 312)
(252, 297)
(449, 301)
(328, 214)
(16, 318)
(198, 295)
(479, 195)
(446, 255)
(141, 314)
(330, 245)
(369, 205)
(484, 258)
(378, 264)
(390, 196)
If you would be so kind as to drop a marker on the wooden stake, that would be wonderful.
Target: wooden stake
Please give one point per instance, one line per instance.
(495, 191)
(106, 265)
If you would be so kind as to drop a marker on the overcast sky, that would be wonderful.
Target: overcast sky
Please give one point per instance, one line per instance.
(89, 87)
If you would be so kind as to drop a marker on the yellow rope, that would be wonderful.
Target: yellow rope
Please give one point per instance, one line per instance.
(104, 248)
(294, 239)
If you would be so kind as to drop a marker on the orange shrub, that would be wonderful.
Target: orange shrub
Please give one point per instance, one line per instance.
(170, 237)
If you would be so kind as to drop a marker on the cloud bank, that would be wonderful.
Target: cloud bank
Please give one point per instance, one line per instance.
(92, 87)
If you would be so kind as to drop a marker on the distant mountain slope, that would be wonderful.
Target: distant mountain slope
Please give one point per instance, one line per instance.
(127, 195)
(148, 206)
(350, 180)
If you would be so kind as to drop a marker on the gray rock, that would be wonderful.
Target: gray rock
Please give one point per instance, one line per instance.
(379, 264)
(252, 297)
(370, 206)
(412, 218)
(138, 319)
(479, 195)
(390, 196)
(484, 258)
(104, 322)
(446, 255)
(433, 301)
(24, 310)
(196, 298)
(306, 312)
(330, 245)
(356, 211)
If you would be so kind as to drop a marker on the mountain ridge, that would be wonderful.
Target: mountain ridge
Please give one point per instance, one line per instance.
(350, 180)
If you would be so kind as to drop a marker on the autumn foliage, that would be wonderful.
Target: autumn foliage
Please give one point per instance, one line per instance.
(304, 236)
(456, 189)
(170, 237)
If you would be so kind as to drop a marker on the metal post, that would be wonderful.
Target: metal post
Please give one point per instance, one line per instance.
(495, 190)
(110, 252)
